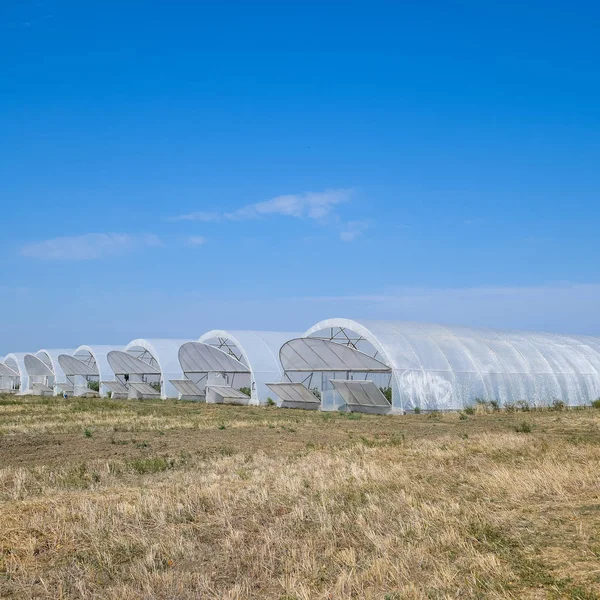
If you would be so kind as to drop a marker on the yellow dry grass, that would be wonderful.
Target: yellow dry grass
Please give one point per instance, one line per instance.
(414, 507)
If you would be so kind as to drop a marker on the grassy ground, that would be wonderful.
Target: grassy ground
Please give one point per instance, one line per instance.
(129, 499)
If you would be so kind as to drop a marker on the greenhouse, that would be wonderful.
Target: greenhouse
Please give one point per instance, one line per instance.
(257, 355)
(145, 368)
(338, 364)
(211, 375)
(44, 371)
(85, 369)
(16, 363)
(8, 379)
(433, 367)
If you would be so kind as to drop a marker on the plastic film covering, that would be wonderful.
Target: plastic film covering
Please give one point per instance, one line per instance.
(116, 387)
(6, 371)
(65, 387)
(73, 366)
(439, 367)
(165, 355)
(294, 395)
(228, 392)
(36, 367)
(187, 388)
(363, 394)
(197, 357)
(42, 388)
(313, 355)
(123, 363)
(226, 395)
(258, 350)
(143, 388)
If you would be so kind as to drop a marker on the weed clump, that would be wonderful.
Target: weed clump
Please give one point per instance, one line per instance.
(524, 427)
(151, 465)
(387, 392)
(352, 416)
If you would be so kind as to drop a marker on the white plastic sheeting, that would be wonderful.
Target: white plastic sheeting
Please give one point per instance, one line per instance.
(36, 367)
(73, 366)
(257, 350)
(42, 389)
(313, 355)
(116, 387)
(188, 389)
(197, 357)
(123, 363)
(362, 395)
(221, 394)
(144, 389)
(6, 371)
(294, 395)
(448, 367)
(65, 387)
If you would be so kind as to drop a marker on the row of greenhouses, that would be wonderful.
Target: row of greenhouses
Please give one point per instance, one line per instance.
(337, 364)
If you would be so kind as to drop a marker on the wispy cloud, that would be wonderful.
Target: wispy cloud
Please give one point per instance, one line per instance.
(88, 246)
(308, 205)
(203, 216)
(196, 240)
(311, 205)
(353, 230)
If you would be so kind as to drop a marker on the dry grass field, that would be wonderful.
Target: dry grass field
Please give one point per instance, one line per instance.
(130, 499)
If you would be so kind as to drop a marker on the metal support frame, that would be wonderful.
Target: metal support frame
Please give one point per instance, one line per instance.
(229, 347)
(341, 336)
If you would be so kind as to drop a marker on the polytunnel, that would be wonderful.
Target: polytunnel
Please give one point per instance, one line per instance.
(145, 368)
(8, 379)
(85, 369)
(436, 367)
(15, 361)
(256, 356)
(44, 371)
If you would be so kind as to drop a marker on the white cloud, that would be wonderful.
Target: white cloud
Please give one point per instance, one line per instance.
(352, 230)
(311, 205)
(196, 240)
(88, 246)
(203, 216)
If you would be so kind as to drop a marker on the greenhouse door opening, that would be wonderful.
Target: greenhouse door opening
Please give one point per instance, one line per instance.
(213, 375)
(137, 374)
(333, 376)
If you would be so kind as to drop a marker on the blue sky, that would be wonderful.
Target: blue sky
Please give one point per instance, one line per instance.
(170, 167)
